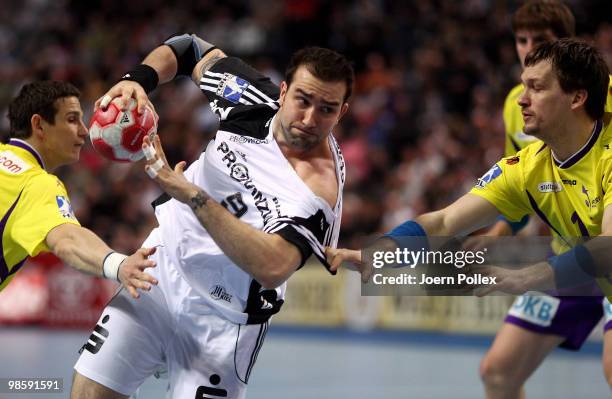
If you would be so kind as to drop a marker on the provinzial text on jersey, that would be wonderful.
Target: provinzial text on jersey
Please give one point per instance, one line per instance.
(240, 173)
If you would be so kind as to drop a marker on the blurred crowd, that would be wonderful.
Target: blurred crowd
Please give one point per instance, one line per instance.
(424, 122)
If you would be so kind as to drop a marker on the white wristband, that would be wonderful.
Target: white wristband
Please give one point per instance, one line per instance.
(110, 265)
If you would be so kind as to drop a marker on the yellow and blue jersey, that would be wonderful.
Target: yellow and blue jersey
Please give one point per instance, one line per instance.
(32, 203)
(569, 196)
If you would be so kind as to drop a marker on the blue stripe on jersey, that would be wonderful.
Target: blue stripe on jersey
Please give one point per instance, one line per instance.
(4, 271)
(542, 216)
(584, 150)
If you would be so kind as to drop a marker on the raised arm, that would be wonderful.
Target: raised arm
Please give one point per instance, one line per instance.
(181, 55)
(467, 214)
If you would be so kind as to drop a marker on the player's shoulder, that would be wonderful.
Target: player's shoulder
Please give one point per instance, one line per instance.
(528, 158)
(42, 181)
(252, 121)
(606, 137)
(25, 177)
(243, 98)
(233, 81)
(16, 161)
(534, 150)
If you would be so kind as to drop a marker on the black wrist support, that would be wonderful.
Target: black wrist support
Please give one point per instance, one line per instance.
(145, 75)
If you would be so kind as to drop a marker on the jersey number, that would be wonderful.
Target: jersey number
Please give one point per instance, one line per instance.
(235, 205)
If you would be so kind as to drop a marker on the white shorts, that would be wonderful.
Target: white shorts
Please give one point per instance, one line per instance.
(170, 327)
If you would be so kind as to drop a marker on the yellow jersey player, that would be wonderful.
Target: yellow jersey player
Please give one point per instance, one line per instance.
(566, 181)
(572, 318)
(47, 131)
(535, 22)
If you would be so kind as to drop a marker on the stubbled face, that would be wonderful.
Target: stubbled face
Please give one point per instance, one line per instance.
(526, 40)
(543, 103)
(310, 108)
(65, 138)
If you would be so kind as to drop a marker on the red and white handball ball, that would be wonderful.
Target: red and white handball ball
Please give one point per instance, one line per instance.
(117, 135)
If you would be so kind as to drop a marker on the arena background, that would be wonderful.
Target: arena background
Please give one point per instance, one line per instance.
(425, 121)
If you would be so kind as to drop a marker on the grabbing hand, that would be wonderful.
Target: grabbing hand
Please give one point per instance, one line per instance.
(337, 256)
(125, 90)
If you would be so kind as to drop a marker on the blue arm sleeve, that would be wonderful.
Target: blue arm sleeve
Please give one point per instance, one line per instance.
(410, 235)
(409, 228)
(573, 268)
(515, 226)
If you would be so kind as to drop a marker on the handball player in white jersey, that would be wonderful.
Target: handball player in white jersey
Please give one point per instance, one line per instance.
(264, 196)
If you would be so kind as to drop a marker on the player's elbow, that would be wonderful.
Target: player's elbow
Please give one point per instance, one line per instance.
(274, 276)
(270, 283)
(449, 223)
(62, 240)
(431, 222)
(277, 263)
(274, 270)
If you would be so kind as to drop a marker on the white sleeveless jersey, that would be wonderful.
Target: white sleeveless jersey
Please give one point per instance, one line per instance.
(244, 170)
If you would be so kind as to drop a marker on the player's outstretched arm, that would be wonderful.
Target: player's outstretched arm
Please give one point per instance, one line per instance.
(465, 215)
(269, 258)
(181, 55)
(82, 249)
